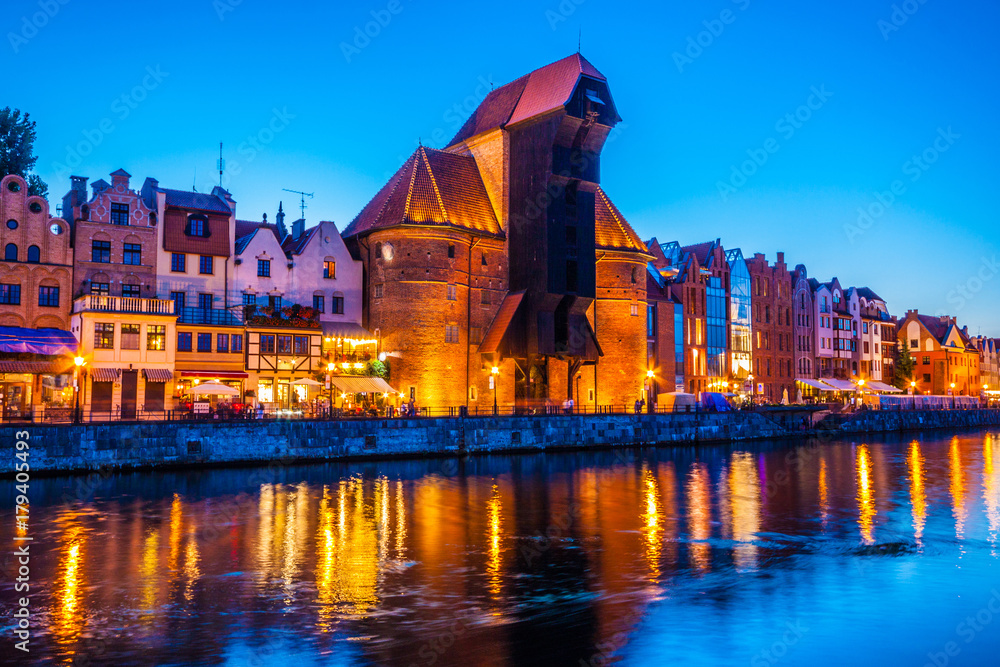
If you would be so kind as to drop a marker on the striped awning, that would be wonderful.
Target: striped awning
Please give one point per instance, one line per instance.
(158, 374)
(36, 367)
(352, 384)
(815, 384)
(349, 330)
(105, 374)
(882, 388)
(840, 385)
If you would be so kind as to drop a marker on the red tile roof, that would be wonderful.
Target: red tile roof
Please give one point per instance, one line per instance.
(431, 188)
(611, 230)
(543, 90)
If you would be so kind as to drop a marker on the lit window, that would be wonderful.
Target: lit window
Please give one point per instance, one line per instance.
(329, 269)
(130, 336)
(156, 337)
(104, 336)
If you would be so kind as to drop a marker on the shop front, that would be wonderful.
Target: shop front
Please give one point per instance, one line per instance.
(36, 373)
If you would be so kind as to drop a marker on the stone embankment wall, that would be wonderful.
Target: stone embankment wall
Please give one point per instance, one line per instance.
(917, 420)
(149, 445)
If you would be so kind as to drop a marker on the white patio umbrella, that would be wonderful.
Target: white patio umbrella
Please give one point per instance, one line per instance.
(213, 389)
(308, 382)
(784, 396)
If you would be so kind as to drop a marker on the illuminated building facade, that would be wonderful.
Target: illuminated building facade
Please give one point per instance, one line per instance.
(945, 359)
(773, 355)
(503, 251)
(740, 317)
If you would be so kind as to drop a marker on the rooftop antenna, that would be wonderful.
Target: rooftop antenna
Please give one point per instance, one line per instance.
(579, 40)
(303, 195)
(222, 164)
(194, 183)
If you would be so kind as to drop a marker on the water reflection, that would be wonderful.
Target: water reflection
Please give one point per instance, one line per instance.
(866, 501)
(517, 549)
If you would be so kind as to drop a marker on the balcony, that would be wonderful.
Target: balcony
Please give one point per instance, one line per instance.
(93, 303)
(210, 316)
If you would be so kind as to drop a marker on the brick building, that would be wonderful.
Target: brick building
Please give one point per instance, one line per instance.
(803, 325)
(503, 251)
(945, 359)
(36, 274)
(773, 346)
(114, 239)
(874, 315)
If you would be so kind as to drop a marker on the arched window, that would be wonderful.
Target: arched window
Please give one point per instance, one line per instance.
(34, 254)
(10, 252)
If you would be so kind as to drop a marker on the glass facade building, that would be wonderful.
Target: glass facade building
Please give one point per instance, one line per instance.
(740, 324)
(715, 311)
(679, 346)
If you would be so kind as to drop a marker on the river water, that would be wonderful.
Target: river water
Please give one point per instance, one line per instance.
(863, 552)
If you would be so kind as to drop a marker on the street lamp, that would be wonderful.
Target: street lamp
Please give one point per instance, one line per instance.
(329, 384)
(913, 388)
(495, 372)
(651, 376)
(79, 361)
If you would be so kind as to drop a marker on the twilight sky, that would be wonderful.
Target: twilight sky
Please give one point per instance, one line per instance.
(879, 100)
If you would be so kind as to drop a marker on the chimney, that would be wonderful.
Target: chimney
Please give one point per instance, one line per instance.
(298, 228)
(76, 196)
(781, 258)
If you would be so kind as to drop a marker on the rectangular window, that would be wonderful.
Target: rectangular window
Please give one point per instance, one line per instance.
(183, 341)
(222, 343)
(249, 299)
(130, 336)
(132, 254)
(337, 305)
(284, 344)
(634, 310)
(10, 295)
(156, 337)
(100, 289)
(178, 299)
(119, 214)
(927, 378)
(914, 343)
(378, 291)
(452, 293)
(100, 251)
(130, 290)
(197, 227)
(329, 269)
(926, 361)
(319, 303)
(104, 336)
(451, 334)
(475, 335)
(178, 262)
(204, 342)
(484, 297)
(205, 301)
(263, 268)
(205, 265)
(451, 251)
(274, 302)
(650, 321)
(237, 343)
(48, 297)
(302, 345)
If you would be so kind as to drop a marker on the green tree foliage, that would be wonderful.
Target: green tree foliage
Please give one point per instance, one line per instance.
(903, 373)
(17, 149)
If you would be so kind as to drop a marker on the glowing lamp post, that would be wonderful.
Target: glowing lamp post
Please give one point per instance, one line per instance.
(650, 377)
(495, 373)
(79, 361)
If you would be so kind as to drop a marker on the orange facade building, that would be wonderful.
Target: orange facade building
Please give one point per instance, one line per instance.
(945, 359)
(502, 251)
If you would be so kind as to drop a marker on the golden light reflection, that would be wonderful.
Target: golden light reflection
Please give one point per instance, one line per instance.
(957, 487)
(824, 493)
(699, 504)
(348, 565)
(866, 501)
(652, 523)
(991, 488)
(494, 527)
(400, 519)
(918, 494)
(265, 540)
(68, 617)
(326, 562)
(176, 517)
(149, 571)
(191, 559)
(382, 511)
(744, 495)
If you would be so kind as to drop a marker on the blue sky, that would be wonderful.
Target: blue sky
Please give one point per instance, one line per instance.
(703, 87)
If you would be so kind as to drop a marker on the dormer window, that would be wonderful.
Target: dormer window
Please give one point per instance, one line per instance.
(197, 226)
(594, 97)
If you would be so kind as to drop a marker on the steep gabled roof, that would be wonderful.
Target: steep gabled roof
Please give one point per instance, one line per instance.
(294, 246)
(431, 188)
(867, 293)
(544, 90)
(611, 230)
(702, 251)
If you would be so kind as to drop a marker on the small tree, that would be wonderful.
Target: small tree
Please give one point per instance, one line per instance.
(17, 149)
(903, 372)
